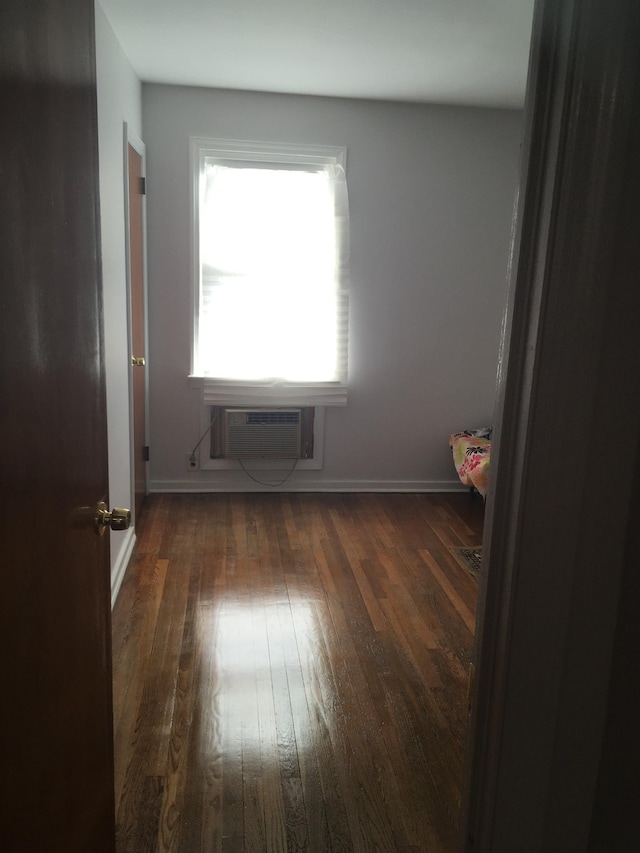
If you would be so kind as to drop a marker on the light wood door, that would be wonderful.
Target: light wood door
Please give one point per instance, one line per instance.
(56, 737)
(138, 338)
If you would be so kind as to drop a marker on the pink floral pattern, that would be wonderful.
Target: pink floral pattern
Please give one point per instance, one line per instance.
(472, 455)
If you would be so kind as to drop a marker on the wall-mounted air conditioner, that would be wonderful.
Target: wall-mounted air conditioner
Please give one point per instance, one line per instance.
(277, 433)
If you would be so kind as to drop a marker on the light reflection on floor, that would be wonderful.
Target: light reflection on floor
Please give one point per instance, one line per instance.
(259, 654)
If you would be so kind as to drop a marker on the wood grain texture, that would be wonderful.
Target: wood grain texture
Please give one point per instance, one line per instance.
(290, 673)
(55, 713)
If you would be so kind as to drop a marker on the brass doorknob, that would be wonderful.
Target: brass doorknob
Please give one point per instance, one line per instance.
(139, 361)
(117, 519)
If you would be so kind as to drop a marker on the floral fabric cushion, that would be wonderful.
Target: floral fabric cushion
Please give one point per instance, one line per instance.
(471, 456)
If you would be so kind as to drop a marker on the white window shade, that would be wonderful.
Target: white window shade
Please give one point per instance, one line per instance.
(272, 253)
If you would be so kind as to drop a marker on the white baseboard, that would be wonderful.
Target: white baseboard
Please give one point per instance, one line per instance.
(308, 485)
(122, 561)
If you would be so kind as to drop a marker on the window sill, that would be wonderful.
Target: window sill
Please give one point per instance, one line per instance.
(219, 392)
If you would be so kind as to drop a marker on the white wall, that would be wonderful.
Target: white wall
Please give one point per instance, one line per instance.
(119, 100)
(431, 193)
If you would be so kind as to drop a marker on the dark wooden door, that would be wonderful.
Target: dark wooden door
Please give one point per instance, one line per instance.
(56, 706)
(138, 342)
(554, 737)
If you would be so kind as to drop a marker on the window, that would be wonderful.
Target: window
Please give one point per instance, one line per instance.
(270, 260)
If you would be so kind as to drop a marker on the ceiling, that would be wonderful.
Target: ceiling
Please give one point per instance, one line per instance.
(471, 52)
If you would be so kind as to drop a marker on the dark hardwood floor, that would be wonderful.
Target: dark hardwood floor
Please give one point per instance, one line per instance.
(290, 673)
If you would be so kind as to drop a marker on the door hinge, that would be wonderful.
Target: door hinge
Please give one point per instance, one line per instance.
(145, 453)
(143, 186)
(471, 686)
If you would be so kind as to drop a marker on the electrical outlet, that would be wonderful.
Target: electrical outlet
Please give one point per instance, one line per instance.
(192, 461)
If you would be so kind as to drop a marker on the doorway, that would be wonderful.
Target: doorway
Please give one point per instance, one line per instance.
(135, 218)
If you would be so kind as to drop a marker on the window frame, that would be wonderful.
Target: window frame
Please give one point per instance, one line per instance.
(255, 153)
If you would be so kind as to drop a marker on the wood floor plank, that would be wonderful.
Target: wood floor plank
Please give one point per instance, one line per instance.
(271, 573)
(131, 662)
(348, 632)
(232, 659)
(201, 811)
(325, 815)
(172, 817)
(290, 673)
(468, 617)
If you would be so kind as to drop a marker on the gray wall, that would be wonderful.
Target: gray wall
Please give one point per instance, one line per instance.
(431, 194)
(119, 100)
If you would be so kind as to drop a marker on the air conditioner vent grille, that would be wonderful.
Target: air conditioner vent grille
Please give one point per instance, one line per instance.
(273, 417)
(263, 434)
